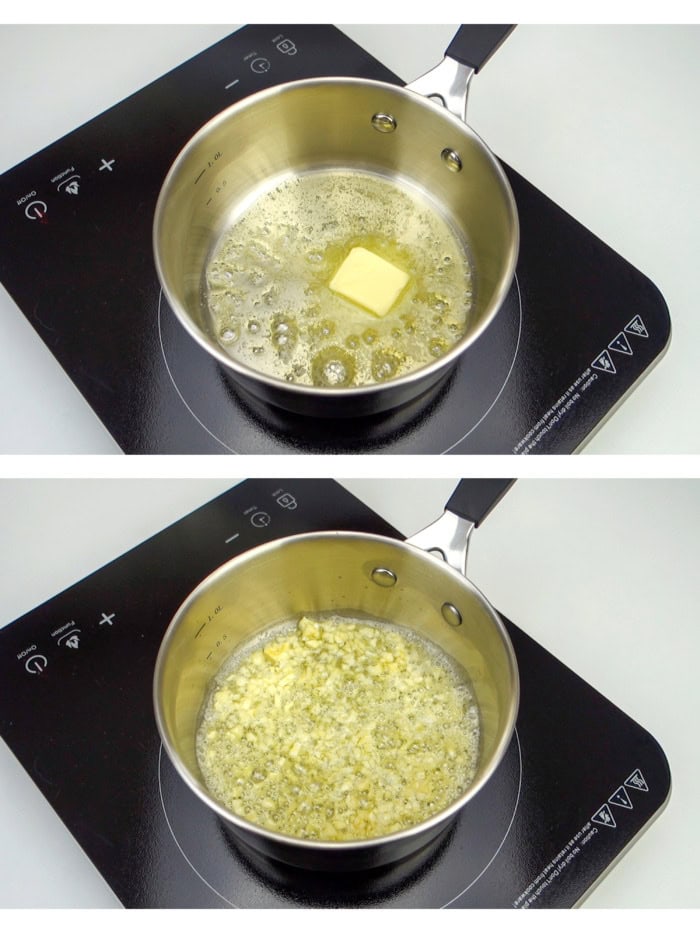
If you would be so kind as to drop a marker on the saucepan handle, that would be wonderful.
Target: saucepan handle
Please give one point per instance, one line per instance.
(474, 45)
(469, 504)
(469, 50)
(473, 499)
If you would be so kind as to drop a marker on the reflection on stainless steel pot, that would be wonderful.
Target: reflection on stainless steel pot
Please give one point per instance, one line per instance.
(410, 146)
(403, 583)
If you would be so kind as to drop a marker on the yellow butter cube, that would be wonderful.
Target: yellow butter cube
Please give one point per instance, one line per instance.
(369, 281)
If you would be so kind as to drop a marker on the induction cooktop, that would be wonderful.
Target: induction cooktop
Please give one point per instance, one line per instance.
(578, 330)
(578, 784)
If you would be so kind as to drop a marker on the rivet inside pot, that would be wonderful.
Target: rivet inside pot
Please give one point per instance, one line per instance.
(452, 160)
(384, 122)
(451, 614)
(383, 576)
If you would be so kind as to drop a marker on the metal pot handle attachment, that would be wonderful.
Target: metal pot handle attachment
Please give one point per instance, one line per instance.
(467, 53)
(448, 536)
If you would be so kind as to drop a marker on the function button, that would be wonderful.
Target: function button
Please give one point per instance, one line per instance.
(70, 185)
(67, 635)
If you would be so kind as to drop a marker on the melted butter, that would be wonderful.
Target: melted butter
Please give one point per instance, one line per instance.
(267, 282)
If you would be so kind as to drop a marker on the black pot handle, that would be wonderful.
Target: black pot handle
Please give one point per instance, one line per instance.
(473, 499)
(474, 45)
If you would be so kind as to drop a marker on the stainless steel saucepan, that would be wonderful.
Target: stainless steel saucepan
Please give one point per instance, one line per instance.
(415, 137)
(418, 583)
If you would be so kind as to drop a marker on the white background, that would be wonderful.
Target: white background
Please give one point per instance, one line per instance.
(603, 119)
(603, 573)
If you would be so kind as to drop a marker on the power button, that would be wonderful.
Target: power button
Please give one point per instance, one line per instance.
(36, 210)
(36, 664)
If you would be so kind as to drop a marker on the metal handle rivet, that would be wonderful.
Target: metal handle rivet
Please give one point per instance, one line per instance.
(384, 122)
(451, 160)
(451, 614)
(383, 577)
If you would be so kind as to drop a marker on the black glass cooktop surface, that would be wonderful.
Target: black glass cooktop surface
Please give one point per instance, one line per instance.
(578, 783)
(578, 330)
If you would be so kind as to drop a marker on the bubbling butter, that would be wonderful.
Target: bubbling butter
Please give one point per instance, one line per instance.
(337, 729)
(275, 302)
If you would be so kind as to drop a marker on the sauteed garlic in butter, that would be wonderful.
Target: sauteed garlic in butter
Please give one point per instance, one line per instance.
(270, 291)
(339, 729)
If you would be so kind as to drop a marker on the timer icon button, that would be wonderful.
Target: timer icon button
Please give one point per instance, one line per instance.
(260, 65)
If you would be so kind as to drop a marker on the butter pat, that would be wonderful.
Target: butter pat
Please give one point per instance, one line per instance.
(369, 281)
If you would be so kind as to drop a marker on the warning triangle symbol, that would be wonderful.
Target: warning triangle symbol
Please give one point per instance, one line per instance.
(604, 363)
(621, 798)
(621, 344)
(637, 327)
(604, 817)
(636, 781)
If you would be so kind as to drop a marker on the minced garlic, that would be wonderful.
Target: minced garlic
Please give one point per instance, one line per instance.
(338, 730)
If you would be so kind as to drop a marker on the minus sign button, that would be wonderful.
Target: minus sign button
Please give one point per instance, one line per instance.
(232, 538)
(232, 84)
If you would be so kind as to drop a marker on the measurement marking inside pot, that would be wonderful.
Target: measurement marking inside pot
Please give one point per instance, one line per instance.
(199, 631)
(199, 176)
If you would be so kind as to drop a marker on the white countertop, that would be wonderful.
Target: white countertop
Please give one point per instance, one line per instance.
(603, 573)
(603, 119)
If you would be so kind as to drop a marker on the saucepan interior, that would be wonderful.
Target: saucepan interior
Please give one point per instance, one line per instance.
(336, 573)
(322, 124)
